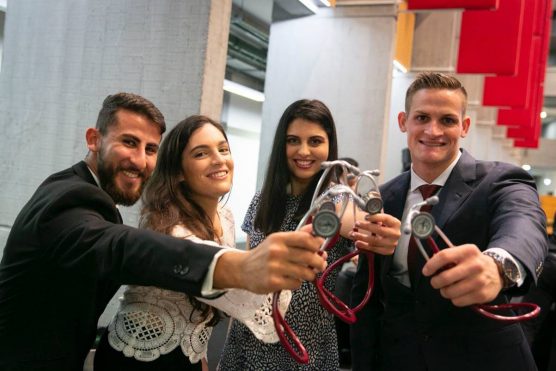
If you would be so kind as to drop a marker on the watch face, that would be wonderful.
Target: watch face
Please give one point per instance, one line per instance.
(326, 223)
(422, 225)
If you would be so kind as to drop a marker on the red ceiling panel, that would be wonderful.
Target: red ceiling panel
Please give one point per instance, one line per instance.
(515, 91)
(489, 40)
(443, 4)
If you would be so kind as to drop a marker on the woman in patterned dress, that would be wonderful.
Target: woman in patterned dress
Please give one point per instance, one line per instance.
(157, 329)
(305, 137)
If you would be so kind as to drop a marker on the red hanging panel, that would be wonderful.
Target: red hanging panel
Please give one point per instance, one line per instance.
(489, 40)
(452, 4)
(515, 91)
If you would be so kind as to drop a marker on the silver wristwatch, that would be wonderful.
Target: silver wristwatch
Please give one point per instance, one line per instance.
(506, 267)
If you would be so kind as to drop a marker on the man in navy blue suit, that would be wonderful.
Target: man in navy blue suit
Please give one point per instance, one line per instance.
(491, 213)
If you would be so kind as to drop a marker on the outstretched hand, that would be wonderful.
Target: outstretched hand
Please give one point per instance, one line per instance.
(282, 261)
(378, 233)
(472, 277)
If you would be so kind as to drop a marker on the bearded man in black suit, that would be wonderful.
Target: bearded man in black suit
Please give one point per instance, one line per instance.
(68, 251)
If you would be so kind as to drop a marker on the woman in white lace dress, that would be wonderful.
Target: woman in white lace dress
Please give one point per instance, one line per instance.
(157, 329)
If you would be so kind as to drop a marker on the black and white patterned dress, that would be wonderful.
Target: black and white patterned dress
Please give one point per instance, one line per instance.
(307, 317)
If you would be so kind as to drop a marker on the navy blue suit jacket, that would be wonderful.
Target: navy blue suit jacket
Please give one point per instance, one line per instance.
(66, 255)
(489, 204)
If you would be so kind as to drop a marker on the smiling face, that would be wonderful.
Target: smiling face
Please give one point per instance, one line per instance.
(207, 165)
(124, 158)
(434, 124)
(307, 147)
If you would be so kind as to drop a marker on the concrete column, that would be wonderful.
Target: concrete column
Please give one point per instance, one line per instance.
(342, 56)
(61, 58)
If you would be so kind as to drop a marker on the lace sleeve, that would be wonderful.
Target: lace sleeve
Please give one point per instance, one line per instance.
(254, 310)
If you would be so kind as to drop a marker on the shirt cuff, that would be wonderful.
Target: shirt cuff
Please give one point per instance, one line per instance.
(207, 291)
(507, 255)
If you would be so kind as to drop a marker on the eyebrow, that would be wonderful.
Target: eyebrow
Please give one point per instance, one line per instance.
(203, 146)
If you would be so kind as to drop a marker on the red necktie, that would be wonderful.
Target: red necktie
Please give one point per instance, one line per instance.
(414, 260)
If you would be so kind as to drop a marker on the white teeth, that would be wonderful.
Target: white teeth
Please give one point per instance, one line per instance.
(304, 163)
(130, 174)
(220, 174)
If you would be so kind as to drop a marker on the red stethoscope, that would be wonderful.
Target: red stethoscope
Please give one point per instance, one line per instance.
(326, 219)
(421, 225)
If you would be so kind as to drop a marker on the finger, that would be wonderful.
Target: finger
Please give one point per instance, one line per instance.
(364, 246)
(305, 258)
(284, 283)
(299, 272)
(301, 239)
(385, 219)
(379, 229)
(441, 260)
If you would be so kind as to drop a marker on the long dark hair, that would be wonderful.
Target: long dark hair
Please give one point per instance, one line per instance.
(271, 211)
(166, 200)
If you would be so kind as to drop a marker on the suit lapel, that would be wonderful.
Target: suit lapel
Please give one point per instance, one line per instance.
(451, 196)
(82, 170)
(456, 189)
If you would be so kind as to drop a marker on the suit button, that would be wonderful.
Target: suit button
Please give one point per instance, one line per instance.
(180, 270)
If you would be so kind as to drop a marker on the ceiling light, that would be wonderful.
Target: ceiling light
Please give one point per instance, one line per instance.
(244, 91)
(543, 114)
(526, 167)
(400, 67)
(309, 5)
(547, 181)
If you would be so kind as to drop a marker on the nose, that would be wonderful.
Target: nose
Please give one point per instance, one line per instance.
(434, 128)
(218, 158)
(304, 149)
(139, 159)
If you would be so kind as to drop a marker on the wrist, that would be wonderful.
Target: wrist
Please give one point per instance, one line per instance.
(227, 272)
(507, 269)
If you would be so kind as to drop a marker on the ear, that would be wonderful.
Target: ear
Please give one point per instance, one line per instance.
(402, 118)
(93, 138)
(466, 123)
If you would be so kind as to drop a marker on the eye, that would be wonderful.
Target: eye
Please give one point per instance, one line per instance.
(449, 121)
(224, 150)
(151, 150)
(421, 118)
(292, 140)
(316, 141)
(200, 154)
(129, 142)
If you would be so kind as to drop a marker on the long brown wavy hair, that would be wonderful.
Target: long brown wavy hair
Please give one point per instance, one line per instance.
(167, 201)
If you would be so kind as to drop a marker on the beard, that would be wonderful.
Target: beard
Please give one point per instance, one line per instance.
(107, 177)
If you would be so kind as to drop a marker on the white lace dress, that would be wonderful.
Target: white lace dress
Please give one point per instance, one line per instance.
(152, 322)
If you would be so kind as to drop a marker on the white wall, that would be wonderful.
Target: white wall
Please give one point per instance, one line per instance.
(243, 119)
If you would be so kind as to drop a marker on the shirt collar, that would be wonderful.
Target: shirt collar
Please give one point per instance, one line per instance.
(94, 175)
(416, 180)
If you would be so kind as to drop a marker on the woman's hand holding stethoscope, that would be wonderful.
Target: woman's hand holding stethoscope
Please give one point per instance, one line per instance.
(326, 214)
(421, 225)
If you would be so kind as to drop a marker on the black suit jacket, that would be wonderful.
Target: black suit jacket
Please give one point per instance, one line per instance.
(65, 257)
(489, 204)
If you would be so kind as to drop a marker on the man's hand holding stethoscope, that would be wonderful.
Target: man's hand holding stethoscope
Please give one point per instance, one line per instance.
(474, 279)
(463, 274)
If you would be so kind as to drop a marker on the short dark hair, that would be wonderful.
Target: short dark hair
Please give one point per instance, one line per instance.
(434, 80)
(131, 102)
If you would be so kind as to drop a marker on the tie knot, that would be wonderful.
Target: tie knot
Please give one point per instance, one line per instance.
(428, 190)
